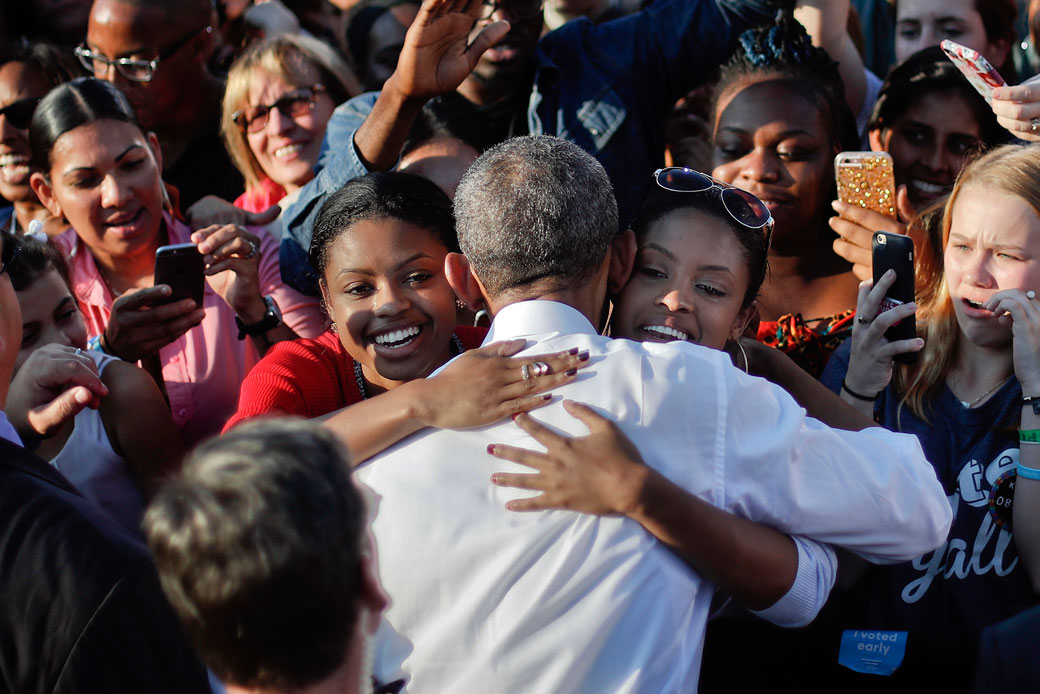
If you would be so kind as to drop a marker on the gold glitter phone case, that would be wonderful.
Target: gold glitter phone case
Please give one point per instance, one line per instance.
(866, 179)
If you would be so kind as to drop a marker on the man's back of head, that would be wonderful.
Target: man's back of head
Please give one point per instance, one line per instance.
(261, 549)
(535, 211)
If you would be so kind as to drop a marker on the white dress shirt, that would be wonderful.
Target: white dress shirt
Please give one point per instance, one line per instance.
(561, 602)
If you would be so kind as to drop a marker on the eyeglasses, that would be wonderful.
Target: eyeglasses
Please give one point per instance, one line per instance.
(19, 113)
(294, 104)
(133, 70)
(519, 10)
(745, 209)
(10, 252)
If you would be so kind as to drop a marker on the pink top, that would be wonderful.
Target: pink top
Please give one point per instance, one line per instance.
(260, 197)
(203, 368)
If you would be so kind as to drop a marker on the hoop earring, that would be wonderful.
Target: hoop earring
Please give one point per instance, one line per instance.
(744, 354)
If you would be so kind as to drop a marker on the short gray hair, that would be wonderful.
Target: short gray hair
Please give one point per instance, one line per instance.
(533, 208)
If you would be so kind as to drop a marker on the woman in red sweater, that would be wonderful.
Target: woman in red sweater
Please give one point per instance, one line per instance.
(378, 247)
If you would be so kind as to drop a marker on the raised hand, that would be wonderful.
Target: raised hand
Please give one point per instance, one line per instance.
(600, 473)
(438, 53)
(1018, 109)
(856, 225)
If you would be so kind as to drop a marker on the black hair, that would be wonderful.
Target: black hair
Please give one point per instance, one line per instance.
(33, 260)
(355, 31)
(449, 116)
(380, 195)
(785, 50)
(70, 105)
(53, 65)
(658, 202)
(926, 72)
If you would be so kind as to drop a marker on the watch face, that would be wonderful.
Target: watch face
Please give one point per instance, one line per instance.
(272, 308)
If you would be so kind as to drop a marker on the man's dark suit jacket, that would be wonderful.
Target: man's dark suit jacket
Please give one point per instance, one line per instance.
(81, 609)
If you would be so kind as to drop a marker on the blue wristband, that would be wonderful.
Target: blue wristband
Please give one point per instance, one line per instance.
(1028, 473)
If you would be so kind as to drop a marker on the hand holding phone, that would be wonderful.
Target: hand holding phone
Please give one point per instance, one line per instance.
(181, 267)
(866, 179)
(896, 252)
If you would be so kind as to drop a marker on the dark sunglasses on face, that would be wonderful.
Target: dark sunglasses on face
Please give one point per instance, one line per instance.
(253, 119)
(19, 113)
(745, 209)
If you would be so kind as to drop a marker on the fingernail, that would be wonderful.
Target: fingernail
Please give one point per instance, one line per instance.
(574, 350)
(584, 356)
(570, 372)
(494, 479)
(836, 205)
(547, 397)
(514, 416)
(491, 447)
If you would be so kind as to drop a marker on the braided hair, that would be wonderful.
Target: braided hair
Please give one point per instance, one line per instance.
(783, 50)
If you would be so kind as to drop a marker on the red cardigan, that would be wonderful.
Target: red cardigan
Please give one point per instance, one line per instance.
(309, 378)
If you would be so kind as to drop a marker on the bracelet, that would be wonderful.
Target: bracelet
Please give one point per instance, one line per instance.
(864, 398)
(1028, 473)
(106, 348)
(1029, 435)
(1033, 400)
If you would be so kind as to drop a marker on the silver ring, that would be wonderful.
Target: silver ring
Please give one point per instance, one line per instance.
(1030, 294)
(540, 368)
(1034, 125)
(252, 249)
(862, 320)
(525, 372)
(78, 351)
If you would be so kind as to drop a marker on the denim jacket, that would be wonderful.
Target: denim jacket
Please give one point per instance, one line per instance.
(607, 88)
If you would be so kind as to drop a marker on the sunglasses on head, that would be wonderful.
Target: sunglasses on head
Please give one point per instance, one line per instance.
(20, 113)
(742, 206)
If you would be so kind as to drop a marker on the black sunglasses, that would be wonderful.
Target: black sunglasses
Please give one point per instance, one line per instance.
(745, 209)
(20, 113)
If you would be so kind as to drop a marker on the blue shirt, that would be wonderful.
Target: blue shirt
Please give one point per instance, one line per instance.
(606, 87)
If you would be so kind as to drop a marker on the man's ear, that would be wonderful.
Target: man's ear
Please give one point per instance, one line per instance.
(38, 182)
(461, 278)
(622, 259)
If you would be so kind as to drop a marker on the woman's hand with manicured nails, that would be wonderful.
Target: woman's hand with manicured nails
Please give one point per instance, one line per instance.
(486, 385)
(857, 225)
(601, 473)
(1019, 312)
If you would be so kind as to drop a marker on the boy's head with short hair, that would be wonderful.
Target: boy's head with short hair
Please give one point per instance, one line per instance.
(262, 549)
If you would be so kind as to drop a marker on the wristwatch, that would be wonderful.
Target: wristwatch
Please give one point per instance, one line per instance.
(272, 319)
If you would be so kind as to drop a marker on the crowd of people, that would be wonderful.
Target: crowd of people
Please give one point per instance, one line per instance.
(530, 348)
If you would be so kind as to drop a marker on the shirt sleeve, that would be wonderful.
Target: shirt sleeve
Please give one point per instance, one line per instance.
(338, 163)
(283, 383)
(817, 567)
(870, 491)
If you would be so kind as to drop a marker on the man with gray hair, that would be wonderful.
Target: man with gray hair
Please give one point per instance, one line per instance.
(563, 602)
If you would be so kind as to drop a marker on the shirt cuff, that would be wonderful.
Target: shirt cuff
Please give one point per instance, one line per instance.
(817, 567)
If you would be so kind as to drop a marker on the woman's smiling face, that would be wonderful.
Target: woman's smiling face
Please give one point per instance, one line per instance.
(385, 289)
(688, 283)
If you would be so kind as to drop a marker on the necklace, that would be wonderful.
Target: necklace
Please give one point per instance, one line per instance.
(456, 345)
(976, 401)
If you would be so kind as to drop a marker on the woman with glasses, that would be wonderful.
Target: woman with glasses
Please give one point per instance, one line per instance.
(94, 165)
(780, 117)
(27, 72)
(280, 95)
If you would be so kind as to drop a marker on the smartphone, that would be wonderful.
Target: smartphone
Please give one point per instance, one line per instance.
(866, 179)
(977, 69)
(181, 266)
(896, 252)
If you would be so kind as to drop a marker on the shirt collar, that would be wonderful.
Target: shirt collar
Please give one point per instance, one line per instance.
(537, 317)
